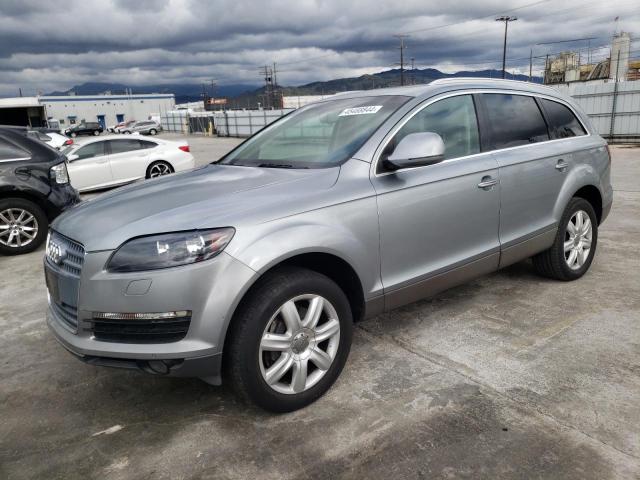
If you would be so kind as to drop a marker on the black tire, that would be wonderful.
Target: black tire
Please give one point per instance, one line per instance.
(159, 162)
(96, 132)
(74, 134)
(552, 263)
(153, 131)
(40, 217)
(241, 361)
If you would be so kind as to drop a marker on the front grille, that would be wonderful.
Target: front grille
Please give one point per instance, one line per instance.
(63, 266)
(165, 330)
(72, 256)
(66, 313)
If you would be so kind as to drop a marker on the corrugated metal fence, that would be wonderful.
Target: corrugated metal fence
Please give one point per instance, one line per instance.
(244, 123)
(614, 108)
(185, 121)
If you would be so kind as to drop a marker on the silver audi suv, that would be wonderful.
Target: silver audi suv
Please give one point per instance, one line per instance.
(253, 269)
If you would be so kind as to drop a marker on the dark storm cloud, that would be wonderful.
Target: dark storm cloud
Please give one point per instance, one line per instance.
(54, 45)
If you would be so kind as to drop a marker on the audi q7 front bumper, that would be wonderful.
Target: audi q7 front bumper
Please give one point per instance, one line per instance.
(92, 311)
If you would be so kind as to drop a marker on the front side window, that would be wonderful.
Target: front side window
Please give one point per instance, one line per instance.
(514, 120)
(122, 146)
(562, 122)
(95, 149)
(320, 135)
(454, 119)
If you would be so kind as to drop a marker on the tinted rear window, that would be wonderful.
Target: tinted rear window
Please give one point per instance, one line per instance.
(562, 122)
(121, 146)
(514, 120)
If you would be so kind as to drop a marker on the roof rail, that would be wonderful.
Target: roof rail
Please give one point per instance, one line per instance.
(474, 79)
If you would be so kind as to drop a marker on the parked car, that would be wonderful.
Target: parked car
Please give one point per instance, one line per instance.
(109, 161)
(86, 128)
(123, 125)
(148, 127)
(54, 140)
(256, 267)
(34, 189)
(112, 128)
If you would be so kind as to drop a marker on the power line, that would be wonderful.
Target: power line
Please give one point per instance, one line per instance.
(402, 48)
(428, 29)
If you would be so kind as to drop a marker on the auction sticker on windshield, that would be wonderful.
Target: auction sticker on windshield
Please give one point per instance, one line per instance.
(360, 110)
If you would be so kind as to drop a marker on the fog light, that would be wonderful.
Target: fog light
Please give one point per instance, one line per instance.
(141, 316)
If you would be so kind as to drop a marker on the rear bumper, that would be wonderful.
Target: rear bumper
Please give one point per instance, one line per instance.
(61, 198)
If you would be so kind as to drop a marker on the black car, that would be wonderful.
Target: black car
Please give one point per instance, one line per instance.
(34, 189)
(85, 128)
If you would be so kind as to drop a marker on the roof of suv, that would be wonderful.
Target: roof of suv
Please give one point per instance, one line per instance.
(451, 84)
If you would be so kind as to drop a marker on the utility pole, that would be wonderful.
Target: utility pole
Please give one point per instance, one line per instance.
(213, 92)
(267, 72)
(401, 47)
(413, 74)
(506, 19)
(530, 65)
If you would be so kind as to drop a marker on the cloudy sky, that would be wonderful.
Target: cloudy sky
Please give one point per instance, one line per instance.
(47, 45)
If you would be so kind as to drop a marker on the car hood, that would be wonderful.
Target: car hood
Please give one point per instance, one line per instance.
(208, 197)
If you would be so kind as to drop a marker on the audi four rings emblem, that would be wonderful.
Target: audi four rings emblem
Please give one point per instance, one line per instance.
(55, 253)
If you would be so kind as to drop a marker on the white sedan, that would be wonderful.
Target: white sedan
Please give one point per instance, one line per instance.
(110, 161)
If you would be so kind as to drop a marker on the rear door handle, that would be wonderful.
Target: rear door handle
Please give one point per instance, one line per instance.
(487, 182)
(561, 165)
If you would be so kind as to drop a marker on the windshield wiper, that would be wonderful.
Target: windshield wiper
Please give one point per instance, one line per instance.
(275, 165)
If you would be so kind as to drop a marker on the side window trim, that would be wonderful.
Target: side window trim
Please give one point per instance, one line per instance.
(545, 117)
(481, 118)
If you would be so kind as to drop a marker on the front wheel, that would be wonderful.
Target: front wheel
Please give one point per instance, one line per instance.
(289, 340)
(574, 247)
(23, 226)
(96, 133)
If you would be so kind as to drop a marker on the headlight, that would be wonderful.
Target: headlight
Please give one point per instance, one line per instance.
(169, 250)
(59, 173)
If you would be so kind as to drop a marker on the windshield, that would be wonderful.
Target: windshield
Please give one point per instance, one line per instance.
(316, 136)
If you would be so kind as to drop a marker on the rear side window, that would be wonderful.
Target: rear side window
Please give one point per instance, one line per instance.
(94, 149)
(9, 151)
(122, 146)
(146, 144)
(562, 122)
(514, 120)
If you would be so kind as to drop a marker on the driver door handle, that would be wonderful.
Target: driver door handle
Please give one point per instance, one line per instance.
(561, 165)
(487, 183)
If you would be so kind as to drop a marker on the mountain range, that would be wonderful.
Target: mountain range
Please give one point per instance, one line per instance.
(247, 95)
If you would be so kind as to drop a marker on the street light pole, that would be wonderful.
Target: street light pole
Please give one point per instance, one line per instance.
(506, 19)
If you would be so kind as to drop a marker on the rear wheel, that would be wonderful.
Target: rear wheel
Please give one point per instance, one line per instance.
(158, 169)
(96, 132)
(153, 131)
(23, 226)
(289, 341)
(74, 134)
(574, 247)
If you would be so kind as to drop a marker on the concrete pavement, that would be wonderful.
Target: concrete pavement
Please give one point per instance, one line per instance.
(510, 376)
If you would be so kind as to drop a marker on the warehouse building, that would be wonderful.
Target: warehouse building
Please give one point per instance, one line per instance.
(63, 111)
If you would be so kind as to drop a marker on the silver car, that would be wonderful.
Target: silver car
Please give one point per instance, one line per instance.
(253, 269)
(146, 127)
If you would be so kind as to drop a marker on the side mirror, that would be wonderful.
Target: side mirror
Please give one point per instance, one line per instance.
(72, 157)
(416, 150)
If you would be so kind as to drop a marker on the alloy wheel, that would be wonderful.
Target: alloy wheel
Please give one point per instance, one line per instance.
(18, 227)
(577, 239)
(159, 169)
(299, 344)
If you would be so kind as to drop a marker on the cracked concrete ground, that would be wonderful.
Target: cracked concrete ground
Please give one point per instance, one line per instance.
(510, 376)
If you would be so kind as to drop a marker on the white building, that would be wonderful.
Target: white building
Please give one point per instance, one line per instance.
(105, 109)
